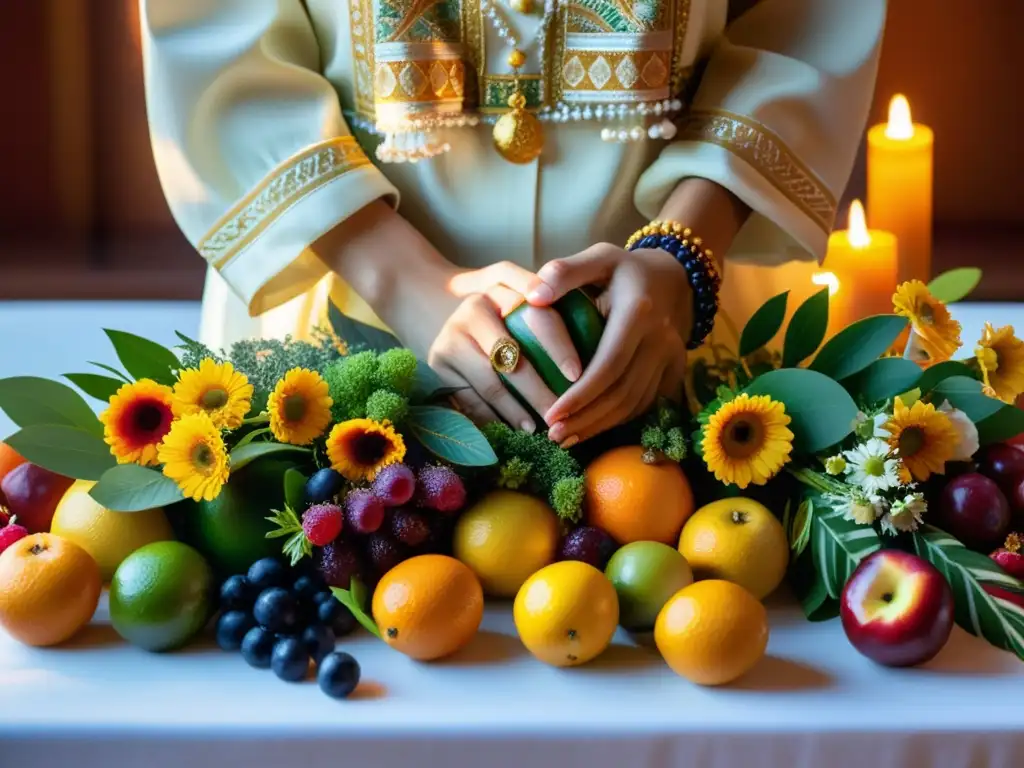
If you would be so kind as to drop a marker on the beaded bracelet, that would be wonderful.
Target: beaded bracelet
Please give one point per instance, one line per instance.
(700, 268)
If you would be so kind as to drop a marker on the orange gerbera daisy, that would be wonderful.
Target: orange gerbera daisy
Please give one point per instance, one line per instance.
(923, 439)
(136, 420)
(360, 448)
(1000, 357)
(936, 335)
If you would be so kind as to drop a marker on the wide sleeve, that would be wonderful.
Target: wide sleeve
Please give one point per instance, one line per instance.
(252, 151)
(777, 118)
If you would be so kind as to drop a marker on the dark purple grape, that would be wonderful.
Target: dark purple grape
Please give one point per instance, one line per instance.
(590, 545)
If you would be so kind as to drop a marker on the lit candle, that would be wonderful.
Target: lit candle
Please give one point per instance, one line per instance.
(900, 159)
(861, 271)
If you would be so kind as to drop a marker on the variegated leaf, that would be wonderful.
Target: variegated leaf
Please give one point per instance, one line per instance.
(838, 545)
(999, 621)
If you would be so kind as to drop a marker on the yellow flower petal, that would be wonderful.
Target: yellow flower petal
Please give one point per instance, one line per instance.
(747, 440)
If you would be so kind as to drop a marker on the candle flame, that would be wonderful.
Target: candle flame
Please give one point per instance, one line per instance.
(900, 125)
(827, 278)
(858, 226)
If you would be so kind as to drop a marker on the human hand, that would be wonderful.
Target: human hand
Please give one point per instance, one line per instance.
(470, 329)
(642, 354)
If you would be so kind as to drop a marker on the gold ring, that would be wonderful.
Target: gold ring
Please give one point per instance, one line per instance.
(504, 355)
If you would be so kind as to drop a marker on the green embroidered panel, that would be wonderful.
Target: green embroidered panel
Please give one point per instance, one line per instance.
(497, 90)
(418, 21)
(629, 16)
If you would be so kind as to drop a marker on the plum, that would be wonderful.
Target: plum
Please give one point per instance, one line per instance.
(32, 494)
(975, 511)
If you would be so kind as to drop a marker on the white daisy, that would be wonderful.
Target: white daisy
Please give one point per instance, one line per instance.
(906, 514)
(870, 467)
(966, 432)
(859, 509)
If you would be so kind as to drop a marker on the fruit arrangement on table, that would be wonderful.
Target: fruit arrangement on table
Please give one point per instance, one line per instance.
(283, 494)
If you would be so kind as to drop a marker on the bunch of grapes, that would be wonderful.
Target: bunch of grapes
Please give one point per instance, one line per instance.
(286, 621)
(366, 532)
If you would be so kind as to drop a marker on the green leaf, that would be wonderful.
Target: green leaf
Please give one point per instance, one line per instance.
(65, 450)
(427, 386)
(980, 613)
(809, 587)
(287, 523)
(806, 330)
(110, 369)
(942, 371)
(765, 323)
(450, 436)
(955, 284)
(249, 453)
(357, 335)
(347, 598)
(883, 379)
(965, 394)
(838, 545)
(131, 488)
(144, 359)
(1005, 423)
(32, 401)
(822, 412)
(100, 387)
(294, 488)
(799, 526)
(251, 436)
(854, 348)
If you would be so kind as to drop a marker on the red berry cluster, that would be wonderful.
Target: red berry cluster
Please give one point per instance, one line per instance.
(367, 531)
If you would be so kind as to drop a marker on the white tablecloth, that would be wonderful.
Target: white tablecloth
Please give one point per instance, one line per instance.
(813, 702)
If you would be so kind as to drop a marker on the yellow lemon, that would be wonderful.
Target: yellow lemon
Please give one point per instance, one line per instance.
(505, 537)
(712, 632)
(738, 540)
(108, 536)
(566, 613)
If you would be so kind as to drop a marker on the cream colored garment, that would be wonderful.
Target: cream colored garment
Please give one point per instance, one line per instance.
(246, 101)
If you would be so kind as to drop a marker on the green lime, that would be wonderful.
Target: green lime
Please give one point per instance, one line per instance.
(161, 596)
(645, 575)
(584, 323)
(231, 531)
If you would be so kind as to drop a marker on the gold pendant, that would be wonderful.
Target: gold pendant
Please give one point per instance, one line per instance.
(518, 135)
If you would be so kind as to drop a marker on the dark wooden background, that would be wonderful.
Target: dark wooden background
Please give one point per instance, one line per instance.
(82, 214)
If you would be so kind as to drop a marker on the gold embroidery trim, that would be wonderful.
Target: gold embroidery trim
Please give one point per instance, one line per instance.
(361, 18)
(402, 82)
(286, 185)
(614, 70)
(682, 24)
(769, 155)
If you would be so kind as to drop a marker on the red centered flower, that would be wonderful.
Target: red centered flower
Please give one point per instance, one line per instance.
(138, 417)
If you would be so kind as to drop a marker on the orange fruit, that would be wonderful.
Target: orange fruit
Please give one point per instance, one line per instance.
(428, 606)
(635, 501)
(712, 632)
(49, 589)
(9, 459)
(738, 540)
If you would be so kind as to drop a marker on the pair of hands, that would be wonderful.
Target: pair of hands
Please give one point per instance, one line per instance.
(646, 300)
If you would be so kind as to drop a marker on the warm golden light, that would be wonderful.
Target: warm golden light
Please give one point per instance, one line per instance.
(858, 227)
(900, 125)
(827, 278)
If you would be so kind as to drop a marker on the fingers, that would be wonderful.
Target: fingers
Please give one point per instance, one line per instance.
(558, 277)
(630, 396)
(506, 273)
(549, 329)
(619, 342)
(488, 389)
(472, 405)
(486, 329)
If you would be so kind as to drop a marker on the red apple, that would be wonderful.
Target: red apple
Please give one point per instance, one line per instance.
(1002, 463)
(975, 511)
(32, 495)
(1018, 441)
(897, 609)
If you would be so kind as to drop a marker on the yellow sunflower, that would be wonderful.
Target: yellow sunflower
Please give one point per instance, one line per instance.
(1000, 357)
(360, 448)
(194, 456)
(300, 408)
(747, 440)
(923, 439)
(936, 333)
(136, 420)
(218, 390)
